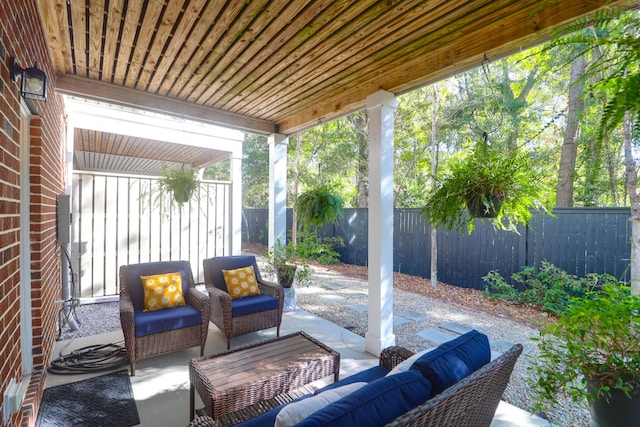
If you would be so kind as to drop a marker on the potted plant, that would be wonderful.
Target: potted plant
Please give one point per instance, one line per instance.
(591, 353)
(318, 206)
(487, 183)
(283, 262)
(180, 182)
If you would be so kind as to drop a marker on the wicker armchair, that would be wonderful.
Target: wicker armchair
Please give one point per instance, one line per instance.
(169, 333)
(222, 305)
(471, 401)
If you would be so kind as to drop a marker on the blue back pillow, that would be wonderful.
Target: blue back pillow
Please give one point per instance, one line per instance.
(454, 360)
(374, 405)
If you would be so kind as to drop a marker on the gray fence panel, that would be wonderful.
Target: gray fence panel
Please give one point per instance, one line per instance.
(578, 240)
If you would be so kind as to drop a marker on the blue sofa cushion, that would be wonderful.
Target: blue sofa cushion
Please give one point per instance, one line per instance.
(166, 319)
(376, 404)
(454, 360)
(269, 417)
(366, 376)
(252, 304)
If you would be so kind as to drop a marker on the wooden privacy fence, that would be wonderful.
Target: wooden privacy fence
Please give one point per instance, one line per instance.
(120, 220)
(578, 240)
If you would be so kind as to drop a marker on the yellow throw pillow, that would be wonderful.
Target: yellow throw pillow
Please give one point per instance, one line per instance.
(241, 282)
(162, 291)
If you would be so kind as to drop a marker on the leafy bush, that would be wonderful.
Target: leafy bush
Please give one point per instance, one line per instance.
(312, 247)
(547, 286)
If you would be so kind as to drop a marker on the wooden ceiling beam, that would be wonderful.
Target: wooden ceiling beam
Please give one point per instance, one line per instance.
(101, 91)
(531, 27)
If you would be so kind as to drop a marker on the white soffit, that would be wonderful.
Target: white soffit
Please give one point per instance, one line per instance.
(103, 117)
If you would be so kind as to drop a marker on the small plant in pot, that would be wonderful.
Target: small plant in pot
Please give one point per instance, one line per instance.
(180, 182)
(284, 263)
(487, 183)
(591, 354)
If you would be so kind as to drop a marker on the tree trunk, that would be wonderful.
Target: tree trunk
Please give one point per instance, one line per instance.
(566, 172)
(359, 122)
(434, 171)
(635, 209)
(296, 189)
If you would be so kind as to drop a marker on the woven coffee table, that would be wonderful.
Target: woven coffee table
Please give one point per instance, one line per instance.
(235, 379)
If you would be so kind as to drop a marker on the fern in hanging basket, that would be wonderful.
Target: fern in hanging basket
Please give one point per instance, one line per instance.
(318, 206)
(180, 183)
(500, 186)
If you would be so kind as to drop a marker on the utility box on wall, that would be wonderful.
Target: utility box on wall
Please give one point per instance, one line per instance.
(64, 218)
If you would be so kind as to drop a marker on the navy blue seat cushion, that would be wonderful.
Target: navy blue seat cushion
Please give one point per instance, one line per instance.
(252, 304)
(166, 319)
(375, 404)
(367, 376)
(454, 360)
(269, 417)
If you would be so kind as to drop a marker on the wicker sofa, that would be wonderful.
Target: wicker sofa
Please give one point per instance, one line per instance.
(453, 385)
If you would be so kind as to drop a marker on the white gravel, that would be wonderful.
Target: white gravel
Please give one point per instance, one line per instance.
(331, 297)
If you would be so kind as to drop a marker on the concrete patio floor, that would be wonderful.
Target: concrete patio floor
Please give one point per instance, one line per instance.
(161, 384)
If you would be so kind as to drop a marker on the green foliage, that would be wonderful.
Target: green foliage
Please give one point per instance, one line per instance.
(179, 182)
(283, 256)
(318, 206)
(546, 286)
(505, 182)
(595, 339)
(615, 36)
(322, 250)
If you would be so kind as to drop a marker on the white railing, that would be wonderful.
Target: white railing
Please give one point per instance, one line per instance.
(119, 220)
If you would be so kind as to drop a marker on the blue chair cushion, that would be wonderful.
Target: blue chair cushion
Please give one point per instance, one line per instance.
(367, 376)
(166, 319)
(269, 417)
(375, 404)
(252, 304)
(454, 360)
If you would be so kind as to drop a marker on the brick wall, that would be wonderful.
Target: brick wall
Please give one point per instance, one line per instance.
(21, 35)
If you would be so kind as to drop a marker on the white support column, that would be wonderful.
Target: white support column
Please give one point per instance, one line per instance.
(236, 203)
(277, 188)
(381, 108)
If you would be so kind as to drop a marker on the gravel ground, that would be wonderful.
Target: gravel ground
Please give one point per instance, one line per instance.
(337, 298)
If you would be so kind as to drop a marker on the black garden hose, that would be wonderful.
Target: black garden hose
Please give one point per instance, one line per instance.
(93, 358)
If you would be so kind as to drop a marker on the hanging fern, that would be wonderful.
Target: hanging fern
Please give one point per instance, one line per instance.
(318, 206)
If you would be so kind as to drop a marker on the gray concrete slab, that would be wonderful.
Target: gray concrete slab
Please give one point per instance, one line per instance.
(458, 328)
(414, 315)
(436, 336)
(333, 286)
(399, 320)
(360, 308)
(334, 298)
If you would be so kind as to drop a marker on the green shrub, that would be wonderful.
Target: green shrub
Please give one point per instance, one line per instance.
(547, 286)
(312, 247)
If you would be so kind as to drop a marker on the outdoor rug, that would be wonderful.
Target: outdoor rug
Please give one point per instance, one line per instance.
(106, 400)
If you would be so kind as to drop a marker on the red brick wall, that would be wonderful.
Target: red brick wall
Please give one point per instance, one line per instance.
(22, 36)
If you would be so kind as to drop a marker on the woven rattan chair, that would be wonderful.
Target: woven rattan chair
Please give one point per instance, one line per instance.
(169, 334)
(222, 305)
(472, 401)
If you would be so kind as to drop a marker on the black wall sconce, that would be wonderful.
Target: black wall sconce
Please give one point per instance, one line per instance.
(34, 80)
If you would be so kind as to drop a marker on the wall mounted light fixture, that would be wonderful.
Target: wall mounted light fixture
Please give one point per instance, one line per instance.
(34, 80)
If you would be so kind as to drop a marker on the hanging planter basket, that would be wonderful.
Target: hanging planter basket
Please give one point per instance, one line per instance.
(482, 206)
(180, 183)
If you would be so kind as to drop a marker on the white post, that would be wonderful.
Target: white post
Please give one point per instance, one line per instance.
(277, 188)
(236, 203)
(381, 108)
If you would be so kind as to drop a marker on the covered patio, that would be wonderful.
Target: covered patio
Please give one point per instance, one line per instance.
(272, 68)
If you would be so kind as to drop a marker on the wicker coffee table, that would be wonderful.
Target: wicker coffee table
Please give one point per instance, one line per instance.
(235, 379)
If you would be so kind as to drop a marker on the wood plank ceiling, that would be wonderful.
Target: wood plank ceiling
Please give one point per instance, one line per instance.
(282, 65)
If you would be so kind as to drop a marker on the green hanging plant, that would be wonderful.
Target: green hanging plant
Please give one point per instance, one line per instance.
(179, 182)
(487, 183)
(318, 206)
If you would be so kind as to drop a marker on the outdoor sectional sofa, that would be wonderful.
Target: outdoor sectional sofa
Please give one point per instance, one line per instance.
(455, 384)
